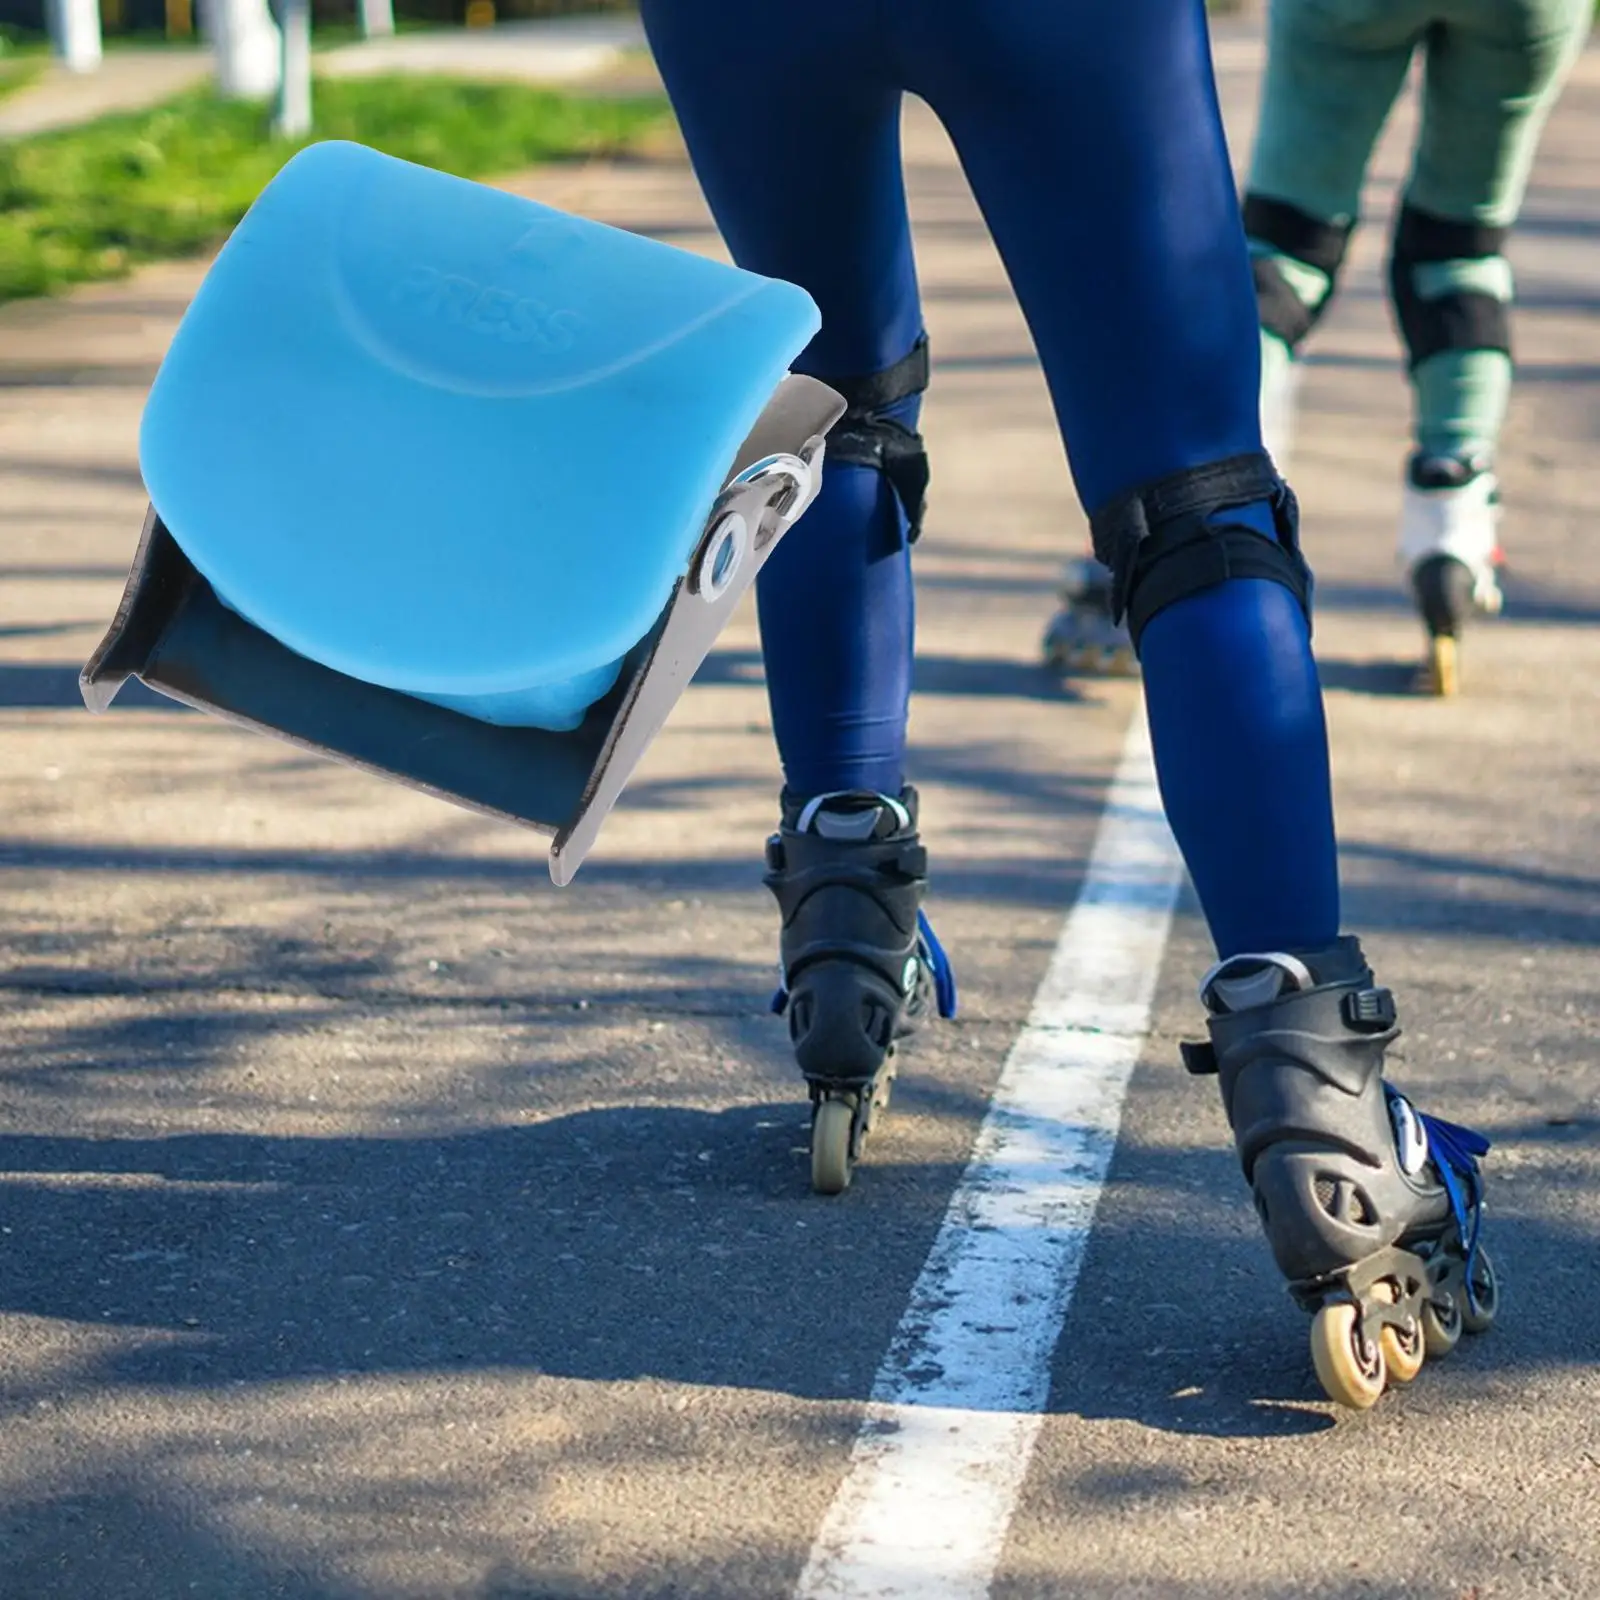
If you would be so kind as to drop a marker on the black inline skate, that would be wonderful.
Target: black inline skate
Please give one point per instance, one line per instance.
(1371, 1208)
(861, 967)
(1081, 637)
(1450, 548)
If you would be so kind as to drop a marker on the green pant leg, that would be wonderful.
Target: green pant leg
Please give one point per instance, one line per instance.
(1333, 70)
(1495, 69)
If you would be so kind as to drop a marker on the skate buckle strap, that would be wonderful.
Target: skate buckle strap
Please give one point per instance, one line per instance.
(1370, 1010)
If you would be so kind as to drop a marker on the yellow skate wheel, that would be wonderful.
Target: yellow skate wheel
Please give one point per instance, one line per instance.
(1486, 1287)
(1441, 1329)
(1350, 1372)
(1402, 1352)
(832, 1132)
(1441, 672)
(1403, 1349)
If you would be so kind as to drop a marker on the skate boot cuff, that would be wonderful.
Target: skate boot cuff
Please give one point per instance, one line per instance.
(851, 814)
(1329, 991)
(1253, 979)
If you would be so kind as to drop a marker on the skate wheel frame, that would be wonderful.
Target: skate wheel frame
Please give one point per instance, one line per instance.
(1416, 1309)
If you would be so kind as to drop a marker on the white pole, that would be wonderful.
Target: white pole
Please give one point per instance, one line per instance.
(293, 119)
(377, 18)
(249, 51)
(75, 33)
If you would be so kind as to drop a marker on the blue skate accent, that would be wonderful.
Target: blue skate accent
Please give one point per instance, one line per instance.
(1456, 1152)
(447, 441)
(944, 975)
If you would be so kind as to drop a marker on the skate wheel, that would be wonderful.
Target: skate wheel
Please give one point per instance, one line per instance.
(1403, 1351)
(1486, 1287)
(1441, 1329)
(832, 1133)
(1350, 1370)
(1441, 672)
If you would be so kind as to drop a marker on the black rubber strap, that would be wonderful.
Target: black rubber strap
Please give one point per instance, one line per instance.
(1169, 539)
(895, 450)
(875, 390)
(1421, 236)
(1463, 319)
(1297, 233)
(864, 437)
(1460, 319)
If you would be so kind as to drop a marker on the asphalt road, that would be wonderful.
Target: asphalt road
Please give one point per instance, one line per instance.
(378, 1221)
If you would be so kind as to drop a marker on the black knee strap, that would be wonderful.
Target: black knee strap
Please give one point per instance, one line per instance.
(1463, 319)
(864, 437)
(1292, 232)
(1163, 541)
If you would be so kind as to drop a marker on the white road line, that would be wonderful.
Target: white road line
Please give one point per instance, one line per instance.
(941, 1456)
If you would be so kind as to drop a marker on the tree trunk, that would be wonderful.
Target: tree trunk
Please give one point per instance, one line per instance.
(249, 49)
(377, 18)
(293, 119)
(75, 33)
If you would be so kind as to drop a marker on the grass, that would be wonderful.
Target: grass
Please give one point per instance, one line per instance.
(17, 72)
(94, 202)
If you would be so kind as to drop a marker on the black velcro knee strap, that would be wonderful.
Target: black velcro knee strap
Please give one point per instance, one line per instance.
(908, 376)
(1421, 236)
(1462, 319)
(864, 437)
(1293, 232)
(1165, 540)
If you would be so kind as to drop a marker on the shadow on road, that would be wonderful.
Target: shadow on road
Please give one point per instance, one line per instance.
(941, 675)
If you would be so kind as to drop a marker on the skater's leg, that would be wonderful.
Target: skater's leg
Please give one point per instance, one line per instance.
(1494, 71)
(1136, 281)
(1094, 143)
(791, 114)
(1332, 75)
(792, 123)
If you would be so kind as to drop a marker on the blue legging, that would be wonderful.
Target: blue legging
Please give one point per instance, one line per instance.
(1093, 142)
